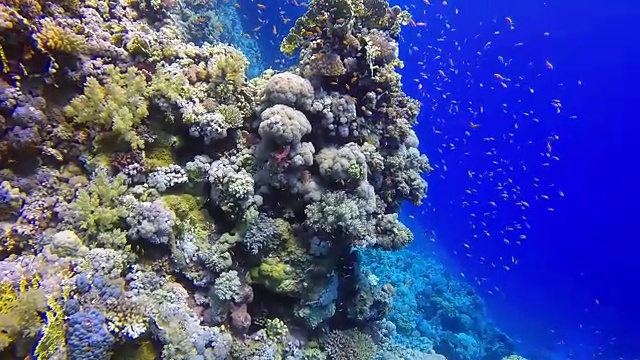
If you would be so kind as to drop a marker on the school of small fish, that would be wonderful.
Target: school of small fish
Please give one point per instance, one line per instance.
(482, 109)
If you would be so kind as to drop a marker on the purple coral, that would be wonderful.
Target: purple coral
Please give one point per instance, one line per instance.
(88, 337)
(27, 115)
(23, 138)
(151, 221)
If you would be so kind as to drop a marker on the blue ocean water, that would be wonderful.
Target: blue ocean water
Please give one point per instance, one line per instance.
(527, 118)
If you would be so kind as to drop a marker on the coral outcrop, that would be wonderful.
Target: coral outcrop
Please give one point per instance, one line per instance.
(167, 206)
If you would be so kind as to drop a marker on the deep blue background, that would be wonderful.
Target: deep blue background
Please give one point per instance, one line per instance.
(587, 250)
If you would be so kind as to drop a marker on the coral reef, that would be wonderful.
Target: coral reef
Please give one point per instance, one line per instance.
(161, 198)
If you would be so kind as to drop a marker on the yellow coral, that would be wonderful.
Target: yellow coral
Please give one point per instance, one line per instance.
(53, 338)
(30, 9)
(228, 67)
(19, 311)
(55, 38)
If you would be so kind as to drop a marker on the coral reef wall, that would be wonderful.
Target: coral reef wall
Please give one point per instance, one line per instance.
(155, 202)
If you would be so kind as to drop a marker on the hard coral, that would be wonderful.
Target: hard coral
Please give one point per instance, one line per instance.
(348, 345)
(87, 336)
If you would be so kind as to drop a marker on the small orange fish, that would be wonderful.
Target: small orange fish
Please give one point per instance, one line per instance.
(548, 65)
(202, 19)
(261, 6)
(274, 29)
(473, 125)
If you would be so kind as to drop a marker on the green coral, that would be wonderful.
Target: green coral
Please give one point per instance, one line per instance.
(170, 83)
(142, 351)
(114, 108)
(285, 265)
(275, 275)
(96, 208)
(276, 330)
(232, 115)
(138, 46)
(187, 207)
(218, 257)
(313, 353)
(160, 154)
(228, 66)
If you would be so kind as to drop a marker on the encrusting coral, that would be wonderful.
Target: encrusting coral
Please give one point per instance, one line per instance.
(173, 208)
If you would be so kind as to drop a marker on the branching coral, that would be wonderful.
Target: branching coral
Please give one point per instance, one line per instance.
(114, 108)
(341, 216)
(349, 344)
(96, 209)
